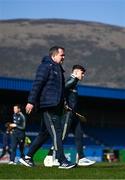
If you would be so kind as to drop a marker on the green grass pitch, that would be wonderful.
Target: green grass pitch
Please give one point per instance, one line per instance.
(97, 171)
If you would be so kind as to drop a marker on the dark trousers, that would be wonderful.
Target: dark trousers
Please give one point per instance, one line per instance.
(41, 138)
(72, 124)
(6, 144)
(51, 126)
(17, 138)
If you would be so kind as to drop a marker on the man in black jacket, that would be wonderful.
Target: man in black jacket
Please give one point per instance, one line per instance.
(48, 92)
(18, 133)
(72, 122)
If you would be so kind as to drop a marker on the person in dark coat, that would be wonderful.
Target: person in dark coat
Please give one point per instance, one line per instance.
(6, 140)
(72, 122)
(18, 133)
(48, 93)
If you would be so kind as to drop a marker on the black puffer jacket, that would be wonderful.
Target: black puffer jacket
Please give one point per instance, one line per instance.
(48, 86)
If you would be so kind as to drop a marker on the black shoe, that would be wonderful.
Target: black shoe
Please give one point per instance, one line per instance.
(66, 165)
(26, 161)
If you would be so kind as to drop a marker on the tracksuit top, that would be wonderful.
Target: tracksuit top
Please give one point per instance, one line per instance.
(71, 92)
(20, 121)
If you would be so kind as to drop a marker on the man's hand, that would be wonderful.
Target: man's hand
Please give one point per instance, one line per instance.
(12, 125)
(67, 108)
(29, 108)
(9, 127)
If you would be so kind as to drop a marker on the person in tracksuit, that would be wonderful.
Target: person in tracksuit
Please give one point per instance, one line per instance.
(48, 92)
(18, 133)
(6, 141)
(71, 122)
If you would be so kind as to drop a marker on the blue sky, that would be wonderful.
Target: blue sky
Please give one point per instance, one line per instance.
(104, 11)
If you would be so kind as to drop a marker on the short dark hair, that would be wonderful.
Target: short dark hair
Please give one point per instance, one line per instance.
(18, 106)
(77, 66)
(54, 50)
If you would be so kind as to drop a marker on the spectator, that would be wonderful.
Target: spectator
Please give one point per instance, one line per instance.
(18, 133)
(6, 140)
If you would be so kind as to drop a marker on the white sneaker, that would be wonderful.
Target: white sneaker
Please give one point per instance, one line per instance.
(26, 161)
(48, 161)
(12, 162)
(85, 162)
(56, 162)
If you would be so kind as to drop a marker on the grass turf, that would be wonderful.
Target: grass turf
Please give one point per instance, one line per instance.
(97, 171)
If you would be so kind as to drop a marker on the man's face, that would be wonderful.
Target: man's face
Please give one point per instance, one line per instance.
(16, 109)
(78, 73)
(59, 57)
